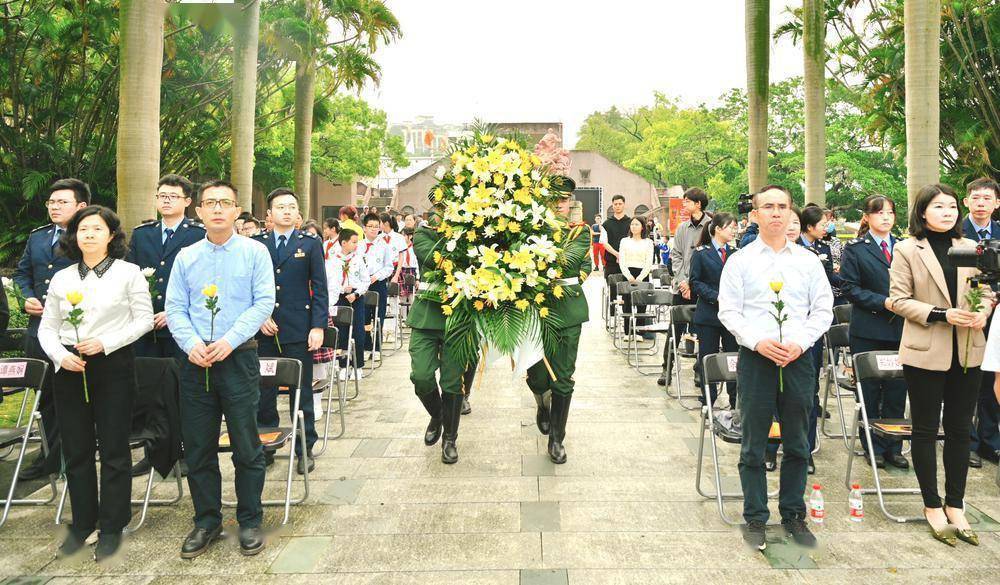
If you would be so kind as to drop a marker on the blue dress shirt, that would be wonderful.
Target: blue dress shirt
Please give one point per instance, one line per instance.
(242, 270)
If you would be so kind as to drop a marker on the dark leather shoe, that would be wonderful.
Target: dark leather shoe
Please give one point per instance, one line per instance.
(879, 461)
(432, 404)
(897, 461)
(433, 432)
(975, 461)
(303, 461)
(268, 458)
(141, 468)
(198, 541)
(989, 454)
(71, 545)
(451, 411)
(811, 466)
(770, 461)
(107, 546)
(251, 541)
(664, 379)
(36, 470)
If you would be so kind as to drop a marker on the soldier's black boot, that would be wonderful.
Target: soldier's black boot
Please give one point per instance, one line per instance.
(451, 413)
(467, 379)
(542, 417)
(557, 432)
(432, 403)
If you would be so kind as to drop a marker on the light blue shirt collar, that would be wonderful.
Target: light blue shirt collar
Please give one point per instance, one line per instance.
(988, 227)
(288, 235)
(164, 227)
(716, 245)
(878, 241)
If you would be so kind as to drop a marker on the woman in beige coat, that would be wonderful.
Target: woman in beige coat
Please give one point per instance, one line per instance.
(941, 351)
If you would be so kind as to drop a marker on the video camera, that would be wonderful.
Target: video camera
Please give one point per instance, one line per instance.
(745, 203)
(985, 257)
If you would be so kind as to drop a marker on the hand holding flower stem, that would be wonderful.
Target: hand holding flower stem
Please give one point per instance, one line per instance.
(780, 317)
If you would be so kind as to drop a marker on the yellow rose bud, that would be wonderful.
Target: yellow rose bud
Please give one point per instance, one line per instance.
(210, 290)
(446, 309)
(479, 305)
(74, 298)
(776, 286)
(543, 312)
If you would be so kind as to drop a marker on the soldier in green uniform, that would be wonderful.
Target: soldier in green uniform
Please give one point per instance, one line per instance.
(429, 353)
(573, 311)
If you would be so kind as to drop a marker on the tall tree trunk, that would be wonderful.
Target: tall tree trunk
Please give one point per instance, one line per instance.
(138, 156)
(244, 100)
(758, 36)
(922, 34)
(305, 94)
(814, 50)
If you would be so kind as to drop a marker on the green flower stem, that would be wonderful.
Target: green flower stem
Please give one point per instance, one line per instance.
(86, 392)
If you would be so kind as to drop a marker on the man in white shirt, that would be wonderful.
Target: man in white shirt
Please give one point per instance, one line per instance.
(773, 372)
(379, 257)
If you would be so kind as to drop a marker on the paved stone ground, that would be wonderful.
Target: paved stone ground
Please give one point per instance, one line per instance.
(385, 510)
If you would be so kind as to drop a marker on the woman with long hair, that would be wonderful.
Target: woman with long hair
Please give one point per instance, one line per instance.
(636, 259)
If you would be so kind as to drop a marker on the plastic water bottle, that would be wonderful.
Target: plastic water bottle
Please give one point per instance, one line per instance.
(817, 512)
(856, 503)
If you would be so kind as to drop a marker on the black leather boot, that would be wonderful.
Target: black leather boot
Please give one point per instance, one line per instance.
(467, 379)
(542, 416)
(432, 403)
(451, 413)
(557, 433)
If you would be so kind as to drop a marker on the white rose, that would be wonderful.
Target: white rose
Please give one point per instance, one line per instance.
(439, 173)
(450, 246)
(7, 282)
(147, 272)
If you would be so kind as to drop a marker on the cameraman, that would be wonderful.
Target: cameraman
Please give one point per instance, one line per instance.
(982, 199)
(746, 302)
(752, 229)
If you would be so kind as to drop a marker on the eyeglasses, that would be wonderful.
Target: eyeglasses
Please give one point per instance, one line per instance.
(169, 197)
(218, 203)
(59, 202)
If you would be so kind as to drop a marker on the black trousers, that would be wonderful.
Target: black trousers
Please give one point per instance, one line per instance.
(958, 392)
(678, 332)
(382, 288)
(100, 425)
(46, 407)
(711, 340)
(611, 269)
(267, 411)
(234, 391)
(883, 399)
(627, 307)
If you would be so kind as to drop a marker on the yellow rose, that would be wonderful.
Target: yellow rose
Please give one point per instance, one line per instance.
(557, 292)
(74, 298)
(210, 290)
(543, 312)
(776, 286)
(446, 309)
(521, 304)
(479, 305)
(541, 264)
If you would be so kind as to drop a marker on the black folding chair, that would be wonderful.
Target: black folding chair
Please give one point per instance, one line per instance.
(393, 312)
(837, 341)
(873, 366)
(657, 303)
(719, 368)
(371, 309)
(842, 313)
(624, 290)
(660, 277)
(344, 317)
(330, 338)
(681, 316)
(609, 299)
(20, 376)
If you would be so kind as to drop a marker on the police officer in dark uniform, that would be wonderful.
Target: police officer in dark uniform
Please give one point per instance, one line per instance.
(982, 199)
(295, 329)
(706, 270)
(155, 245)
(864, 269)
(39, 262)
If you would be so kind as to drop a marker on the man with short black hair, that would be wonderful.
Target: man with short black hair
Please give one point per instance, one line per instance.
(41, 259)
(378, 256)
(615, 229)
(774, 373)
(982, 200)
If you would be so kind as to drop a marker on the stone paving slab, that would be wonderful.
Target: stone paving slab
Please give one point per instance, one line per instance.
(383, 509)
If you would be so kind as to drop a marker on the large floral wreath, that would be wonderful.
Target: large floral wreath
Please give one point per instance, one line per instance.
(500, 259)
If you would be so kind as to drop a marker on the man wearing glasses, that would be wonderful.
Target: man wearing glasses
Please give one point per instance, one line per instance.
(222, 373)
(41, 259)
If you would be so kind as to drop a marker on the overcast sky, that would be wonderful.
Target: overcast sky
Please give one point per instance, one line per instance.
(560, 60)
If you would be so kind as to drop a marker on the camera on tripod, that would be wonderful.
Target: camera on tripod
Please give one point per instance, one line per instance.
(745, 203)
(985, 257)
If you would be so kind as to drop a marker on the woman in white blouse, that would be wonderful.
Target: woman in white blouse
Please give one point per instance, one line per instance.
(116, 311)
(635, 256)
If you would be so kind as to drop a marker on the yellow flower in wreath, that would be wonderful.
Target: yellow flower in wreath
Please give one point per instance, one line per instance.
(539, 298)
(479, 305)
(521, 304)
(557, 292)
(543, 312)
(447, 310)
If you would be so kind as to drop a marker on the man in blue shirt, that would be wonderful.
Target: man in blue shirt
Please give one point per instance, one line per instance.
(42, 258)
(222, 374)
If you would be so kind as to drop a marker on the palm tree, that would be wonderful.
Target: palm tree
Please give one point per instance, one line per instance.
(814, 51)
(758, 31)
(922, 34)
(245, 38)
(348, 63)
(138, 155)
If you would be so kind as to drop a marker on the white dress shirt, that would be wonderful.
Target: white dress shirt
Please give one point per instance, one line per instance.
(991, 359)
(379, 257)
(396, 240)
(357, 276)
(116, 305)
(745, 295)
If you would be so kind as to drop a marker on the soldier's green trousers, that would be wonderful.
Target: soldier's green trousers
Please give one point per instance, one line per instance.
(563, 363)
(428, 353)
